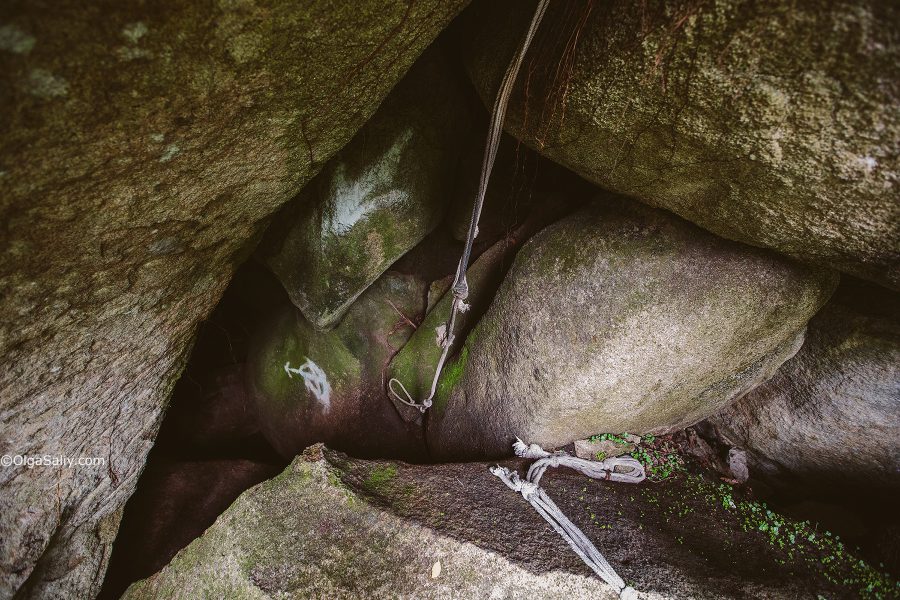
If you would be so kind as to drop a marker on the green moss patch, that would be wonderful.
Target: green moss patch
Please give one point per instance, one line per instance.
(380, 477)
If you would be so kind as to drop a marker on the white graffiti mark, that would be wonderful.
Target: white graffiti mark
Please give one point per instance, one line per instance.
(355, 197)
(315, 379)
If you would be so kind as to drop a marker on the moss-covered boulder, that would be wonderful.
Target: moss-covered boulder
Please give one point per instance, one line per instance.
(334, 527)
(416, 362)
(309, 386)
(830, 418)
(622, 317)
(143, 147)
(767, 123)
(376, 199)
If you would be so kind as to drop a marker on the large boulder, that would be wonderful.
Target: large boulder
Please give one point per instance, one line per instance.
(333, 527)
(310, 386)
(831, 416)
(142, 147)
(766, 123)
(376, 199)
(621, 317)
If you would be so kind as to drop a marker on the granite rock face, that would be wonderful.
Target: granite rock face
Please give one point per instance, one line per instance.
(831, 415)
(621, 317)
(376, 199)
(141, 151)
(769, 124)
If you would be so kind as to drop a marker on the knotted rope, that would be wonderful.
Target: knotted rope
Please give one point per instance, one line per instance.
(460, 287)
(625, 469)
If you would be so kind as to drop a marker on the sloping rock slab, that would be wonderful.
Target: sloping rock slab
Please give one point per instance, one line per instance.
(334, 527)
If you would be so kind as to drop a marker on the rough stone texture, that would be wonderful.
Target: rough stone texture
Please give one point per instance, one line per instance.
(831, 415)
(320, 530)
(622, 317)
(176, 502)
(767, 123)
(376, 199)
(339, 396)
(142, 147)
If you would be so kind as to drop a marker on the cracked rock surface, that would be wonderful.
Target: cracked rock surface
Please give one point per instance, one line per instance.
(142, 152)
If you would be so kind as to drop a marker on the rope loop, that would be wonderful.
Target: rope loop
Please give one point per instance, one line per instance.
(461, 286)
(531, 491)
(409, 399)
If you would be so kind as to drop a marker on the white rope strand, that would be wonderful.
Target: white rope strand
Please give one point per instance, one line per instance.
(460, 286)
(624, 469)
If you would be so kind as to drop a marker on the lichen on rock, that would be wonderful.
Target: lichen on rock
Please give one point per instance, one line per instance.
(623, 318)
(769, 124)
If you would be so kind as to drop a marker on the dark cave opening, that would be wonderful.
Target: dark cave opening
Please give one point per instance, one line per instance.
(210, 447)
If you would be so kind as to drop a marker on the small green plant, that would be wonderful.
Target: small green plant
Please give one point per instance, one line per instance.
(660, 464)
(799, 540)
(618, 439)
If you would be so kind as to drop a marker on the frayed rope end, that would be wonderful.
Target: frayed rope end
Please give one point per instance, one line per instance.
(529, 451)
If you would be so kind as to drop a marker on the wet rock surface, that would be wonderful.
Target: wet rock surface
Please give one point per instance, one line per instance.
(621, 318)
(339, 527)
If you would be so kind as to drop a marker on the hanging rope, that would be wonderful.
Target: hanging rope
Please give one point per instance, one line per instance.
(460, 287)
(624, 469)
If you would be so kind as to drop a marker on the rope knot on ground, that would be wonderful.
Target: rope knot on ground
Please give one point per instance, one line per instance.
(623, 469)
